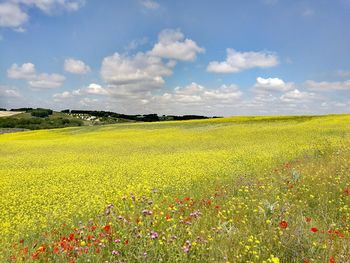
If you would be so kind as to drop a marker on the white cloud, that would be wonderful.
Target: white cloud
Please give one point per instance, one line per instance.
(88, 102)
(173, 45)
(328, 86)
(63, 95)
(11, 15)
(12, 12)
(91, 89)
(95, 89)
(47, 81)
(28, 72)
(272, 84)
(195, 98)
(138, 73)
(150, 4)
(297, 96)
(7, 92)
(134, 44)
(239, 61)
(75, 66)
(137, 76)
(50, 6)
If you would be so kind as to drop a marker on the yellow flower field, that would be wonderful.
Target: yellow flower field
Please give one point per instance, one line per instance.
(240, 189)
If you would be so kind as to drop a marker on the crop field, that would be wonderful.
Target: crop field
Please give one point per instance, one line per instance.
(240, 189)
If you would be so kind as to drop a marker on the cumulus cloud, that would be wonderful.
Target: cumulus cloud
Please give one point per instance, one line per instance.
(7, 92)
(173, 45)
(50, 6)
(150, 4)
(25, 71)
(28, 72)
(63, 95)
(75, 66)
(91, 89)
(12, 12)
(328, 86)
(132, 74)
(46, 81)
(239, 61)
(272, 84)
(137, 76)
(95, 89)
(195, 99)
(297, 96)
(11, 15)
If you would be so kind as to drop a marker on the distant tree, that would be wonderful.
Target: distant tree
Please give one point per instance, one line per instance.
(65, 111)
(41, 113)
(2, 109)
(22, 109)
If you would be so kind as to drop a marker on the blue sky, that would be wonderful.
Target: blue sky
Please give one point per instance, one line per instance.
(177, 57)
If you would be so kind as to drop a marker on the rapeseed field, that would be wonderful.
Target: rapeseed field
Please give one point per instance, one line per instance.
(240, 189)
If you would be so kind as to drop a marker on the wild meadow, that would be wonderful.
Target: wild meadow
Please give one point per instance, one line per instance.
(240, 189)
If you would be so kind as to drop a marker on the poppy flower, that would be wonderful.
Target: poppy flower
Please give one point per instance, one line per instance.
(331, 260)
(306, 260)
(106, 228)
(35, 255)
(283, 224)
(314, 229)
(347, 191)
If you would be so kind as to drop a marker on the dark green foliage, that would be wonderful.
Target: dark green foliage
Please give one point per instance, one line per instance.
(22, 109)
(38, 123)
(41, 113)
(2, 109)
(65, 111)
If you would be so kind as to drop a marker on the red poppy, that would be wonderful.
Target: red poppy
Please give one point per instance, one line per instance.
(126, 242)
(24, 250)
(167, 216)
(217, 207)
(306, 260)
(56, 250)
(314, 229)
(331, 260)
(106, 228)
(93, 228)
(187, 199)
(41, 249)
(71, 237)
(72, 260)
(347, 191)
(35, 255)
(283, 224)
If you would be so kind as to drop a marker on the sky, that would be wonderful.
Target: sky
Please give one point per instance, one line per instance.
(214, 58)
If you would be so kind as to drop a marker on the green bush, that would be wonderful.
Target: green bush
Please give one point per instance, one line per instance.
(41, 113)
